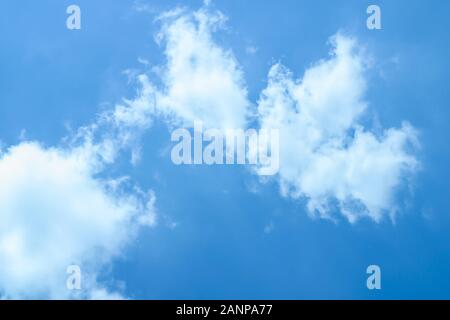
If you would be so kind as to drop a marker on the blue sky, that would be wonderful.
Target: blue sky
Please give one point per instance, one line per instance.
(221, 232)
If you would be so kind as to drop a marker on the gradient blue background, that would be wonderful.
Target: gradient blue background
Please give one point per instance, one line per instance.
(52, 78)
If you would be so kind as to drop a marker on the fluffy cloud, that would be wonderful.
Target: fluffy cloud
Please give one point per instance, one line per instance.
(326, 155)
(200, 81)
(57, 208)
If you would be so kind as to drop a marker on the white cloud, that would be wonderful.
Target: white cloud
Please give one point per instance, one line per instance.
(327, 156)
(55, 213)
(58, 208)
(199, 81)
(202, 80)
